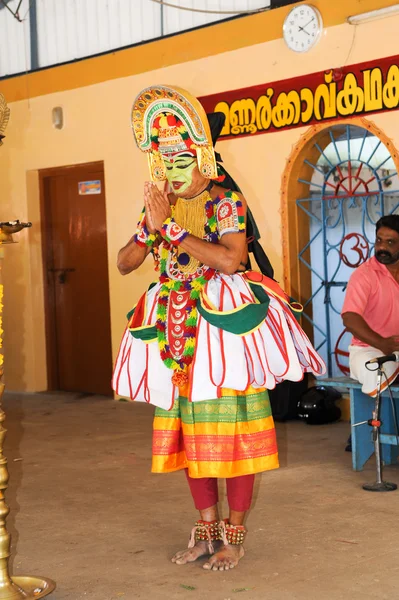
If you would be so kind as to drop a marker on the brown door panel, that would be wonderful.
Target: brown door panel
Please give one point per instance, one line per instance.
(77, 272)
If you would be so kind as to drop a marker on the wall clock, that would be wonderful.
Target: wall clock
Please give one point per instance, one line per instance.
(302, 28)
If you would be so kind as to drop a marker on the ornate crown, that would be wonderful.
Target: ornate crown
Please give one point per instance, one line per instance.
(167, 121)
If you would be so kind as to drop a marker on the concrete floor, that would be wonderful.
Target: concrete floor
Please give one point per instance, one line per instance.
(86, 511)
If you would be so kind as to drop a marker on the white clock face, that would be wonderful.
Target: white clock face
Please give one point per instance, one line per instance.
(302, 28)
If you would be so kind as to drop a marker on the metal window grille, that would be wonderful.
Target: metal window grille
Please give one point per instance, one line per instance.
(354, 182)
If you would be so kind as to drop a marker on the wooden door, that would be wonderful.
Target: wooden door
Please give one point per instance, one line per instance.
(78, 312)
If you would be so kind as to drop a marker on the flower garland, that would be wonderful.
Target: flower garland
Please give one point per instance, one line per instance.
(1, 329)
(194, 287)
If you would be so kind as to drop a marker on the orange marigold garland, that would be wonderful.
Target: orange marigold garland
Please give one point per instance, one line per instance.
(1, 323)
(180, 361)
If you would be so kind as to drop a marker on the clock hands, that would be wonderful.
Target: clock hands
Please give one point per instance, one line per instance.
(304, 27)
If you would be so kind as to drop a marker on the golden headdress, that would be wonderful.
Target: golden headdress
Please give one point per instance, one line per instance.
(168, 121)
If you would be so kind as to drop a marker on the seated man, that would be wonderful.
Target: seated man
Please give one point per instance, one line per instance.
(371, 308)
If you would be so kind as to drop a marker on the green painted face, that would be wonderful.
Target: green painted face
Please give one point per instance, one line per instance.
(180, 172)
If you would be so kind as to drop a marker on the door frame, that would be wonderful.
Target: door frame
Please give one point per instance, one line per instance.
(49, 298)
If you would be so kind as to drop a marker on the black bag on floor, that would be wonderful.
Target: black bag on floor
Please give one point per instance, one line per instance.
(285, 397)
(317, 405)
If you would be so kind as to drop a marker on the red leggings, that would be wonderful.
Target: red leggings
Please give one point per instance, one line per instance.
(205, 491)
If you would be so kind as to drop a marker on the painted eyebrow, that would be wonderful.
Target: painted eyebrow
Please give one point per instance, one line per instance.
(180, 159)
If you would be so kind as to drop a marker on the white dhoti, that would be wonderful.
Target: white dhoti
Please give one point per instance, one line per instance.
(358, 356)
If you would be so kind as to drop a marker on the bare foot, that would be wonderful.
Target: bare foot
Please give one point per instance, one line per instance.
(191, 554)
(227, 558)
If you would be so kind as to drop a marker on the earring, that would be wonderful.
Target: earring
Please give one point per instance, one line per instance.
(157, 166)
(206, 162)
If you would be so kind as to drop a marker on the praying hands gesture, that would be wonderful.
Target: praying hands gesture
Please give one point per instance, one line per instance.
(157, 207)
(224, 256)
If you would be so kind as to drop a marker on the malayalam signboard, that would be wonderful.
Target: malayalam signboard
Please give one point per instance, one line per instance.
(355, 90)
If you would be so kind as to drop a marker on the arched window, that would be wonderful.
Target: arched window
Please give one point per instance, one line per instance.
(350, 181)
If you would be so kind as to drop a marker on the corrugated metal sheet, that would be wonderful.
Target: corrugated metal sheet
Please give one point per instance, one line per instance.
(14, 39)
(78, 28)
(73, 29)
(176, 19)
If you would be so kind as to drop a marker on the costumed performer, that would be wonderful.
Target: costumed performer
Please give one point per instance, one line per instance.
(206, 341)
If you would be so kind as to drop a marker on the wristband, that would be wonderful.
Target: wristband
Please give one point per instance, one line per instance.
(143, 237)
(172, 232)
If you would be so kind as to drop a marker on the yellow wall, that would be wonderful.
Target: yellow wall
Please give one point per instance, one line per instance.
(97, 128)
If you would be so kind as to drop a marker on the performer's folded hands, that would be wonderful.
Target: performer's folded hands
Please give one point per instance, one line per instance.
(157, 205)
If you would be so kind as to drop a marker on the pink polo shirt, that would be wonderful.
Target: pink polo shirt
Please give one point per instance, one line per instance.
(373, 293)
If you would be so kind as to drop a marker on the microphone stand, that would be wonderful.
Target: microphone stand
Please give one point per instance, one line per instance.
(379, 485)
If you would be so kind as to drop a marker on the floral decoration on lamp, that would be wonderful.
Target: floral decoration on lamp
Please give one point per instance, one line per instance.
(4, 117)
(1, 328)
